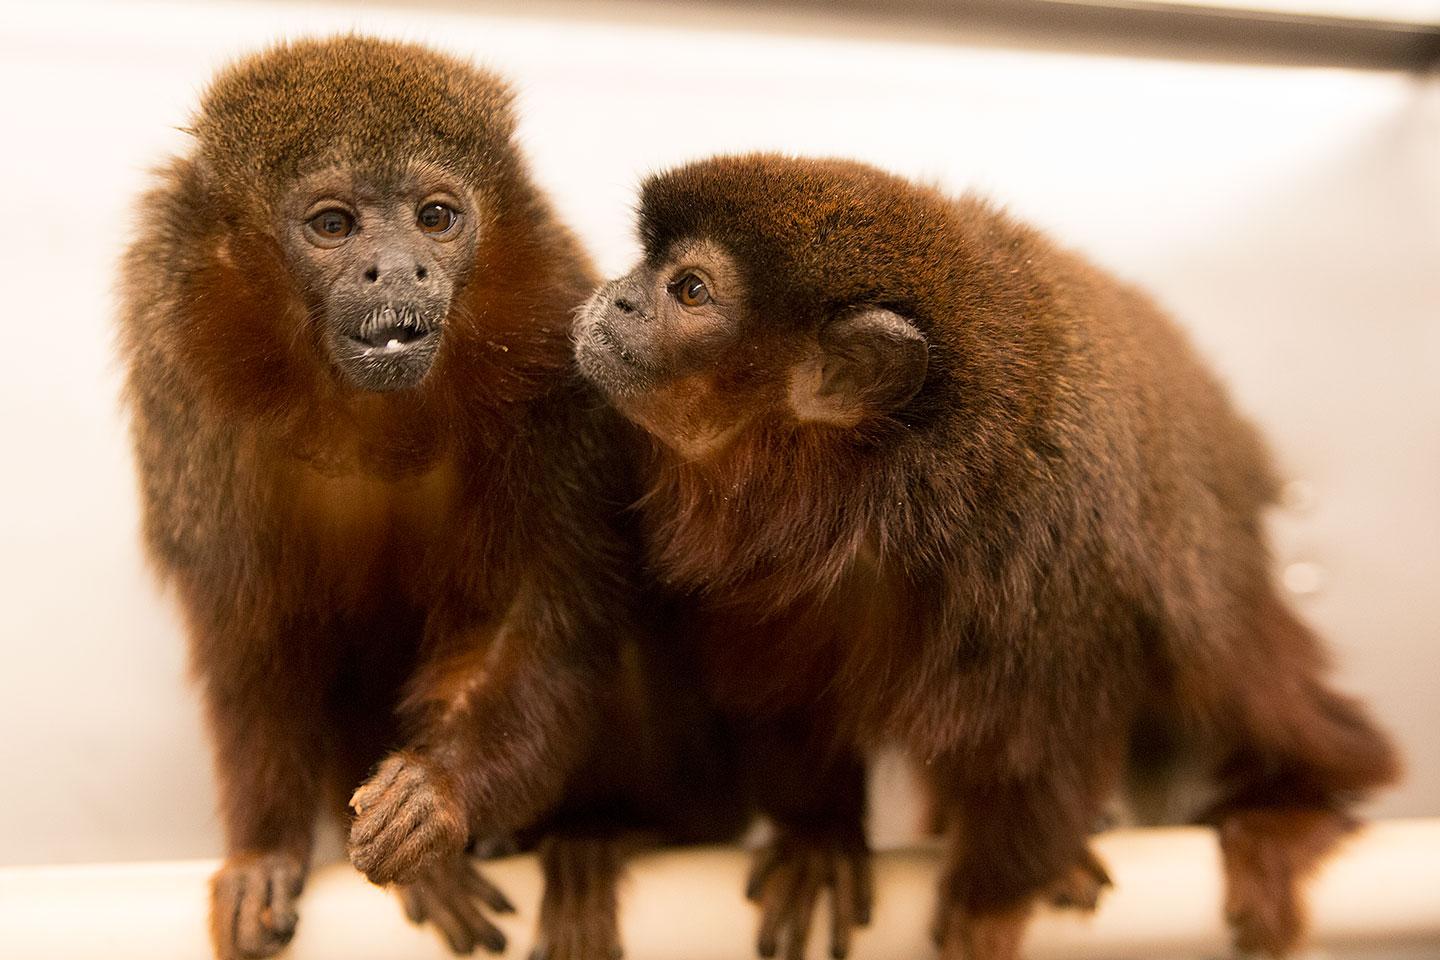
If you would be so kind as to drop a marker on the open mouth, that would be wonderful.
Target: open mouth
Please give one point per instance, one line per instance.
(392, 331)
(393, 348)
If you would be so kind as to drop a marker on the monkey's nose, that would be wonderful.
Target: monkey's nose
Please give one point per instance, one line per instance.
(372, 275)
(626, 298)
(393, 270)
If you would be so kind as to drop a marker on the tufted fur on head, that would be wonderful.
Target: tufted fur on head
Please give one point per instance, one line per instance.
(274, 116)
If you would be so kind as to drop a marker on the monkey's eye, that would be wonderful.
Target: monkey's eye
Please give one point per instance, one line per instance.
(690, 290)
(332, 224)
(436, 218)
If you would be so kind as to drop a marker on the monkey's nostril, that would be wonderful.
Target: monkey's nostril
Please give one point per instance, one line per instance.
(372, 274)
(421, 273)
(623, 305)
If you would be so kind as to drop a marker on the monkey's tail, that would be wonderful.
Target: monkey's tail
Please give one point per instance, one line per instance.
(579, 909)
(1300, 733)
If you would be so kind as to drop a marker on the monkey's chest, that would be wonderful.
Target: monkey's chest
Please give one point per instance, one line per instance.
(368, 538)
(847, 653)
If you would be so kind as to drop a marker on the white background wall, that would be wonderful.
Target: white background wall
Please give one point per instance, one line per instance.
(1290, 217)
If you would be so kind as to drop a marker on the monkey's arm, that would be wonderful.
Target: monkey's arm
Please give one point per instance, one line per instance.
(500, 720)
(260, 680)
(814, 794)
(268, 742)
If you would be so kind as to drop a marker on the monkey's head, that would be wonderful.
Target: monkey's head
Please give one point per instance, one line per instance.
(360, 175)
(772, 291)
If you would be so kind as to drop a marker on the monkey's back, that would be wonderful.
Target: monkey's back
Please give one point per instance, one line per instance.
(1093, 410)
(1179, 476)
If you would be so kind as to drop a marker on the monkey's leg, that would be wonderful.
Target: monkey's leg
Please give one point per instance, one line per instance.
(580, 906)
(1015, 841)
(1299, 756)
(1268, 853)
(269, 761)
(815, 798)
(1079, 889)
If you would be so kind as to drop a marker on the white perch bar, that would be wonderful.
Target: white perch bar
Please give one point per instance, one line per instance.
(1382, 887)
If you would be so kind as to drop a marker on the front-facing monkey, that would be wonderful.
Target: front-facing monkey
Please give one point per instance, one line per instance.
(391, 512)
(931, 478)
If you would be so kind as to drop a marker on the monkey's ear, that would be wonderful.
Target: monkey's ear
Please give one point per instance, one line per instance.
(870, 362)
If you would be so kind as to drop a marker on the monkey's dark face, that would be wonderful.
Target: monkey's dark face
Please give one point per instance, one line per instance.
(661, 341)
(679, 349)
(380, 258)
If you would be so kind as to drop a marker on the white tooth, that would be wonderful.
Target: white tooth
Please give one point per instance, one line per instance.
(393, 345)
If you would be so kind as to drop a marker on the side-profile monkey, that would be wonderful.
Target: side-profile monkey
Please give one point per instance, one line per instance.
(931, 478)
(393, 514)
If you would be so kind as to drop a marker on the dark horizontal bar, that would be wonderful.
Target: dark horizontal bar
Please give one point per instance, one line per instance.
(1191, 31)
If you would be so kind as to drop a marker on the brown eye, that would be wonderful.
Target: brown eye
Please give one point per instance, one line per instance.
(690, 290)
(332, 224)
(436, 218)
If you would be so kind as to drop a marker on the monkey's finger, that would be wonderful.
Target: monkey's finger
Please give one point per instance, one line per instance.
(478, 885)
(862, 869)
(254, 937)
(764, 864)
(1081, 886)
(384, 828)
(404, 860)
(775, 898)
(843, 903)
(457, 935)
(414, 902)
(939, 924)
(802, 910)
(376, 859)
(380, 781)
(1096, 868)
(248, 929)
(224, 911)
(479, 927)
(279, 914)
(383, 808)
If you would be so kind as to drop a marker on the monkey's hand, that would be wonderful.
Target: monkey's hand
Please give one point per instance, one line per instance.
(786, 881)
(449, 895)
(252, 904)
(408, 820)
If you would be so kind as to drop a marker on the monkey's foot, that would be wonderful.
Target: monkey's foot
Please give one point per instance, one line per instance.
(786, 881)
(449, 896)
(407, 821)
(1268, 854)
(1081, 886)
(252, 904)
(988, 935)
(578, 913)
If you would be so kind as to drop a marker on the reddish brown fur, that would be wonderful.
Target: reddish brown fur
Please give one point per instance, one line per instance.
(1058, 535)
(436, 577)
